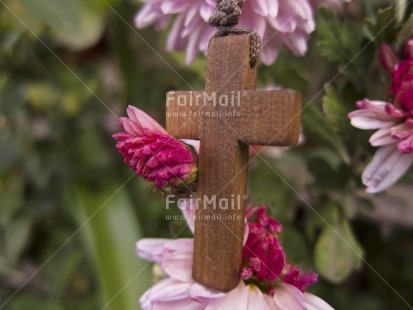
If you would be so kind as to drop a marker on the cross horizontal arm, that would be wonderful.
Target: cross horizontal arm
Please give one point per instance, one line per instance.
(270, 117)
(263, 117)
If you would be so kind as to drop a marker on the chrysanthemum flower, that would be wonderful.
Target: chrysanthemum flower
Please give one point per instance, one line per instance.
(153, 153)
(279, 23)
(260, 291)
(394, 122)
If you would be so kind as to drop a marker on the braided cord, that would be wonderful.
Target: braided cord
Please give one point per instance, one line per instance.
(226, 17)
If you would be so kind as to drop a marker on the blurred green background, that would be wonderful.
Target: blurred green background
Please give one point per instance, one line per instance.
(71, 211)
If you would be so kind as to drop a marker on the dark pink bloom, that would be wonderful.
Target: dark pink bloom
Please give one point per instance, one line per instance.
(298, 279)
(152, 152)
(387, 58)
(263, 253)
(264, 257)
(402, 85)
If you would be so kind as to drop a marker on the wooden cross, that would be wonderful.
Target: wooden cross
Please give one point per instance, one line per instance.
(227, 117)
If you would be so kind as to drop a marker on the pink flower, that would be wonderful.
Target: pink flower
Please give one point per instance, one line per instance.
(279, 23)
(263, 255)
(388, 58)
(152, 152)
(179, 291)
(299, 280)
(402, 85)
(190, 30)
(394, 122)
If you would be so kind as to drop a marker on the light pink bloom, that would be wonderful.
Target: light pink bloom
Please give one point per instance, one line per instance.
(279, 23)
(394, 122)
(180, 291)
(152, 152)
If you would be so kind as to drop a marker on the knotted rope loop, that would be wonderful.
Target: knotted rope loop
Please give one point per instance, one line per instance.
(226, 17)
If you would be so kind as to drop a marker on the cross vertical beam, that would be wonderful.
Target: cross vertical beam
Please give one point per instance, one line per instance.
(226, 117)
(223, 161)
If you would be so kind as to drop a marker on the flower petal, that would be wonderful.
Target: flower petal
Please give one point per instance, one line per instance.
(288, 297)
(387, 166)
(144, 119)
(151, 249)
(180, 245)
(387, 58)
(202, 293)
(185, 304)
(166, 290)
(313, 302)
(178, 265)
(381, 137)
(256, 299)
(194, 143)
(370, 119)
(235, 299)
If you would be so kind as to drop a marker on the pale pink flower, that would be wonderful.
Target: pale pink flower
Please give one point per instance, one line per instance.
(394, 122)
(280, 23)
(180, 291)
(190, 30)
(152, 152)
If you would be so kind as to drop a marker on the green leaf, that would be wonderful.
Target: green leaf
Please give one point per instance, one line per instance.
(16, 236)
(32, 301)
(294, 244)
(76, 24)
(42, 95)
(382, 27)
(405, 33)
(400, 8)
(335, 111)
(267, 186)
(343, 43)
(336, 41)
(337, 253)
(110, 233)
(65, 13)
(10, 150)
(323, 172)
(316, 124)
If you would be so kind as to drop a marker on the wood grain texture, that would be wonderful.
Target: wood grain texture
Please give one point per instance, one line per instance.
(226, 117)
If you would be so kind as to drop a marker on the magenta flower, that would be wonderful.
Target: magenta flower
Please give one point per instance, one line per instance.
(179, 291)
(152, 152)
(264, 257)
(402, 86)
(279, 23)
(394, 122)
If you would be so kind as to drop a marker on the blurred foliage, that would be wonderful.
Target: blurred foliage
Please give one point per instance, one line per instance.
(70, 211)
